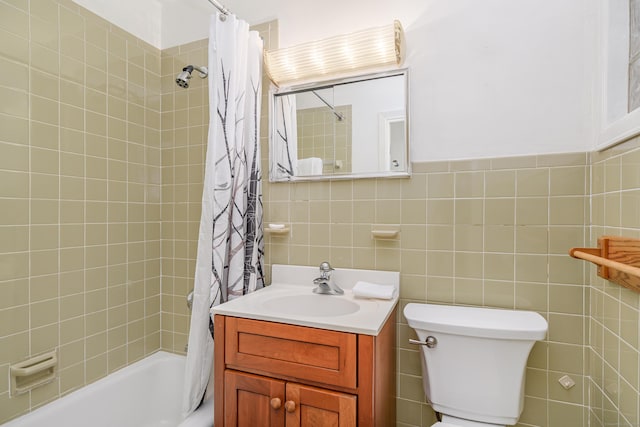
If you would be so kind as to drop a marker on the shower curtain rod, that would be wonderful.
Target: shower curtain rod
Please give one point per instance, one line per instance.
(220, 7)
(340, 116)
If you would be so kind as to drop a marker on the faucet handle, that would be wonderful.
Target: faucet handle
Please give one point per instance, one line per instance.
(325, 270)
(326, 267)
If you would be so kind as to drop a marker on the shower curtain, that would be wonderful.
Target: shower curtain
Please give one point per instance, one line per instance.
(284, 154)
(230, 242)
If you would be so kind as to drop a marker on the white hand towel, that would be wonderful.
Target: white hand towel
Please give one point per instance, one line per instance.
(372, 290)
(310, 166)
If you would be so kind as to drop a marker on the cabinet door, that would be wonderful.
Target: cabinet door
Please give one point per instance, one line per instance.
(253, 401)
(314, 407)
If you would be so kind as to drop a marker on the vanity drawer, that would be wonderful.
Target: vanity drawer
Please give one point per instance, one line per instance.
(292, 352)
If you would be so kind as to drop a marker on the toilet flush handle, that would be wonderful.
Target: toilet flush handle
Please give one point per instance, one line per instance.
(430, 342)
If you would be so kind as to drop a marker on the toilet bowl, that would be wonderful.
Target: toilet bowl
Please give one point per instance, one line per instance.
(474, 360)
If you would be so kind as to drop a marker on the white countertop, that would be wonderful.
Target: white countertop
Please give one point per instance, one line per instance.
(290, 282)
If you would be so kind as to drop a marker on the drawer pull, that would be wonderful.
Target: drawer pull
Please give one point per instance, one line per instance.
(290, 406)
(276, 403)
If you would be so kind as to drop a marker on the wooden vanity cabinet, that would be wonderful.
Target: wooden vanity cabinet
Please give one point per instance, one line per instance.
(257, 401)
(277, 375)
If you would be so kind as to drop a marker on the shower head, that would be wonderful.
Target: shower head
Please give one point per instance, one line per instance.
(185, 75)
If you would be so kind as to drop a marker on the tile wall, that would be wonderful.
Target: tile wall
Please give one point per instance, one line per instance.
(320, 134)
(80, 195)
(614, 310)
(483, 233)
(185, 119)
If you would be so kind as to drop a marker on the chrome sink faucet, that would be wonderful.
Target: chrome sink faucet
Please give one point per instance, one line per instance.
(326, 285)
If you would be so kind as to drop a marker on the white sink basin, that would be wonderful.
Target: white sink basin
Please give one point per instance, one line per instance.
(290, 299)
(311, 305)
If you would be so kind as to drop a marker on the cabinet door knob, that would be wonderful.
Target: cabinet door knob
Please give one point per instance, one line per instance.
(276, 403)
(290, 406)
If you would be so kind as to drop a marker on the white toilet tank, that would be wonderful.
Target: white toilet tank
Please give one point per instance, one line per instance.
(476, 369)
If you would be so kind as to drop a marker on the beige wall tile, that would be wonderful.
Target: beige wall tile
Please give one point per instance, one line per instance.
(19, 105)
(414, 187)
(51, 203)
(500, 183)
(469, 184)
(468, 238)
(43, 340)
(499, 293)
(14, 293)
(44, 85)
(14, 129)
(499, 266)
(469, 211)
(532, 211)
(441, 185)
(537, 383)
(14, 320)
(499, 211)
(440, 263)
(43, 288)
(532, 182)
(468, 264)
(564, 413)
(15, 157)
(14, 20)
(14, 184)
(14, 47)
(566, 210)
(468, 291)
(440, 212)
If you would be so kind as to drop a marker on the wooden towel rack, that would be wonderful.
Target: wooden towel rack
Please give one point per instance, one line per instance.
(618, 260)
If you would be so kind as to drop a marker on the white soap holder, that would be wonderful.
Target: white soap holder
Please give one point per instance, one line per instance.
(276, 229)
(385, 231)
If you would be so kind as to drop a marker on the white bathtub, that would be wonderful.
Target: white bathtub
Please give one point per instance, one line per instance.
(147, 393)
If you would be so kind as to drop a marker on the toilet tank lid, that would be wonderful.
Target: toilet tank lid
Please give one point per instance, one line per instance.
(476, 321)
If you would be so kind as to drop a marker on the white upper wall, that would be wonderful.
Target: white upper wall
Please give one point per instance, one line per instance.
(487, 79)
(142, 18)
(161, 23)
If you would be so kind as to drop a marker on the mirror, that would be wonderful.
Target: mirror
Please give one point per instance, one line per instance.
(355, 128)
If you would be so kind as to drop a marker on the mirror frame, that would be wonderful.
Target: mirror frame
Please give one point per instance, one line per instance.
(293, 89)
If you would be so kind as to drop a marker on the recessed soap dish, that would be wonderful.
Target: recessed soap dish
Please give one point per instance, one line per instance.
(34, 372)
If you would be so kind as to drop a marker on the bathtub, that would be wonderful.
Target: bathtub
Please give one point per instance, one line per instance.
(147, 393)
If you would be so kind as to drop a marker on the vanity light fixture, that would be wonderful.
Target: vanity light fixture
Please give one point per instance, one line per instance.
(336, 57)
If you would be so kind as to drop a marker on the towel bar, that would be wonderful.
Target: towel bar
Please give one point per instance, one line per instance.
(618, 260)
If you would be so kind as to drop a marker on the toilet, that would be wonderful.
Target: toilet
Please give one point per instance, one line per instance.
(474, 360)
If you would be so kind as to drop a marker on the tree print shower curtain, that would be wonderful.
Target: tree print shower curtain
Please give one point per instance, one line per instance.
(283, 162)
(230, 243)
